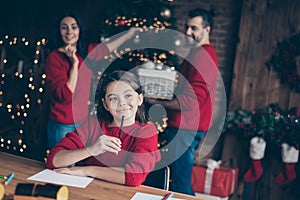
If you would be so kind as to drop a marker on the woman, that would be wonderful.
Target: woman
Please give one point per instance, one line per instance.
(68, 76)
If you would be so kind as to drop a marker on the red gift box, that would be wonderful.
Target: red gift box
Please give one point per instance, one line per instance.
(220, 181)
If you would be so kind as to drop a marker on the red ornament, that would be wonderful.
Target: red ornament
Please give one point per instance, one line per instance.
(122, 22)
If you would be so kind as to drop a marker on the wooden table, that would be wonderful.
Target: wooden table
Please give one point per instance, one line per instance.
(97, 189)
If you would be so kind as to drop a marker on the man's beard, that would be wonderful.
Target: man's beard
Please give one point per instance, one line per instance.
(191, 40)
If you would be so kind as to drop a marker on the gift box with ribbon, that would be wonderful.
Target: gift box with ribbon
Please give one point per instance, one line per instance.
(214, 179)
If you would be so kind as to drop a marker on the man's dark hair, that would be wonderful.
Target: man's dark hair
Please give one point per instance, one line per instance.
(206, 15)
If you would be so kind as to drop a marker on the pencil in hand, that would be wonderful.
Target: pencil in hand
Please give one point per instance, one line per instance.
(121, 126)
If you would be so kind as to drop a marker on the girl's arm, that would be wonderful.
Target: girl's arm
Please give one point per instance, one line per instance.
(65, 157)
(115, 175)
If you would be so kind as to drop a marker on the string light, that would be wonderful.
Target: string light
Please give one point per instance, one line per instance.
(18, 112)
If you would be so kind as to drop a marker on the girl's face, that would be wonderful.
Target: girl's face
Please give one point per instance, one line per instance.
(122, 100)
(69, 31)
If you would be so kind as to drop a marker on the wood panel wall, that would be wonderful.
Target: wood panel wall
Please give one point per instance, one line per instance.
(262, 25)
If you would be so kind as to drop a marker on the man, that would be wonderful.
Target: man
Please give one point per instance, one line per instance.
(190, 112)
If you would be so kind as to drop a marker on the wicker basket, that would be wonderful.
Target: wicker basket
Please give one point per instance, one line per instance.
(158, 84)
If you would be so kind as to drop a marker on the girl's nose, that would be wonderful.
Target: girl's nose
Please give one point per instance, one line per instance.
(122, 101)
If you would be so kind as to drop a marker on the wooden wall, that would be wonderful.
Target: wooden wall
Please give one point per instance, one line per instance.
(262, 25)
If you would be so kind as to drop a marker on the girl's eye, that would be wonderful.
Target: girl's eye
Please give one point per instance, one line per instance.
(113, 99)
(128, 95)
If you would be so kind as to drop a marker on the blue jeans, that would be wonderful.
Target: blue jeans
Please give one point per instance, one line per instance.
(56, 131)
(182, 146)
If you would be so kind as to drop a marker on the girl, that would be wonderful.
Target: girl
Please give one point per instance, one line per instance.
(68, 77)
(120, 146)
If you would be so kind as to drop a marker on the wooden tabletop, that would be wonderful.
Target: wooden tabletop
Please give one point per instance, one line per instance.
(97, 189)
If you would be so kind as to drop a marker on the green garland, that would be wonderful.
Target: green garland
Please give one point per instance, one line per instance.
(271, 123)
(285, 63)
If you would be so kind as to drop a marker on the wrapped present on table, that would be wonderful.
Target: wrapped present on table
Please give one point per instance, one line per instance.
(214, 179)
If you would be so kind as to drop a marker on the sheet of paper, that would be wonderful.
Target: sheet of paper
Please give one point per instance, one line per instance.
(50, 176)
(145, 196)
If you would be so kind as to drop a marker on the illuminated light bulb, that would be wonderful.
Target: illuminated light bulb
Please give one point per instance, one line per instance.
(1, 92)
(29, 85)
(21, 76)
(1, 104)
(19, 141)
(2, 140)
(26, 95)
(44, 76)
(18, 113)
(21, 131)
(27, 100)
(8, 141)
(9, 106)
(39, 101)
(35, 61)
(41, 90)
(38, 43)
(12, 117)
(31, 79)
(37, 52)
(25, 114)
(17, 74)
(21, 150)
(2, 145)
(22, 122)
(3, 75)
(43, 82)
(1, 41)
(5, 61)
(22, 107)
(24, 146)
(23, 39)
(26, 43)
(14, 148)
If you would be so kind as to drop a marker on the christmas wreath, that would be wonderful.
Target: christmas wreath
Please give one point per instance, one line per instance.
(284, 61)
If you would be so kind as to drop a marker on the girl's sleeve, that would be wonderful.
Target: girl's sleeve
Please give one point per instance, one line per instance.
(70, 142)
(143, 159)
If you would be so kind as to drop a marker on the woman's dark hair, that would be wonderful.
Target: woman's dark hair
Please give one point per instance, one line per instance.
(206, 15)
(127, 77)
(81, 44)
